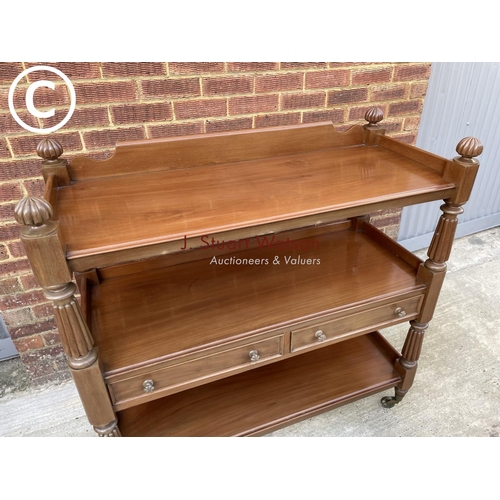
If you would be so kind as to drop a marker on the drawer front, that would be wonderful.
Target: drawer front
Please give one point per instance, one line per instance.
(370, 319)
(205, 366)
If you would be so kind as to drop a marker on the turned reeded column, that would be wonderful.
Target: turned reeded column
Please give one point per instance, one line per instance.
(442, 241)
(40, 237)
(434, 269)
(407, 364)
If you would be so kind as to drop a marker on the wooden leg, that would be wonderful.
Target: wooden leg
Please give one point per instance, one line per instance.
(94, 395)
(40, 237)
(407, 364)
(82, 359)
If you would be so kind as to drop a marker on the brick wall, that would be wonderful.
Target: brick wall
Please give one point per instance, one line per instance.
(121, 101)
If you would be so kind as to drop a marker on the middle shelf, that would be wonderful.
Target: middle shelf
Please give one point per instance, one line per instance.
(342, 280)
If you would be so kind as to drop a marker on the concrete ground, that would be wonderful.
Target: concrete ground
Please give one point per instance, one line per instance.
(456, 390)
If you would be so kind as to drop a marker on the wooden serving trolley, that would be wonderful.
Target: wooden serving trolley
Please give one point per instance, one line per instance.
(231, 283)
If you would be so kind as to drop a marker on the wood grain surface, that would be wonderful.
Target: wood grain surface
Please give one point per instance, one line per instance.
(272, 396)
(130, 211)
(160, 312)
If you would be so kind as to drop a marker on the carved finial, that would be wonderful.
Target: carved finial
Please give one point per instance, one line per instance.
(49, 149)
(32, 211)
(469, 147)
(373, 116)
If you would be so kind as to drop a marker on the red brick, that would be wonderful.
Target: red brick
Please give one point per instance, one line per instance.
(98, 93)
(9, 286)
(14, 267)
(82, 117)
(333, 115)
(26, 145)
(4, 102)
(18, 98)
(389, 92)
(392, 126)
(225, 125)
(226, 85)
(21, 300)
(346, 64)
(29, 282)
(279, 82)
(29, 343)
(200, 108)
(327, 79)
(27, 327)
(411, 123)
(51, 338)
(34, 187)
(386, 221)
(41, 362)
(371, 76)
(175, 129)
(253, 104)
(195, 68)
(172, 87)
(347, 96)
(8, 124)
(73, 70)
(4, 253)
(10, 191)
(10, 232)
(388, 212)
(19, 169)
(137, 113)
(7, 212)
(418, 89)
(9, 71)
(407, 72)
(17, 317)
(405, 107)
(43, 311)
(4, 150)
(133, 68)
(252, 66)
(109, 137)
(277, 119)
(16, 249)
(301, 101)
(45, 98)
(302, 65)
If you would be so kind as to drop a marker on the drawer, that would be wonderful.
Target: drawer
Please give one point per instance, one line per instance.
(207, 366)
(369, 320)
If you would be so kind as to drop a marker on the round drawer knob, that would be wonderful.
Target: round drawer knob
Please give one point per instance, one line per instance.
(149, 386)
(254, 355)
(320, 335)
(400, 312)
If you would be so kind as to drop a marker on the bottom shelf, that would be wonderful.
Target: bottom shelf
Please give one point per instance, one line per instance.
(270, 397)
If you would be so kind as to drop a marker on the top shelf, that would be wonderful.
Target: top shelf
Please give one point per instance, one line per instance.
(245, 184)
